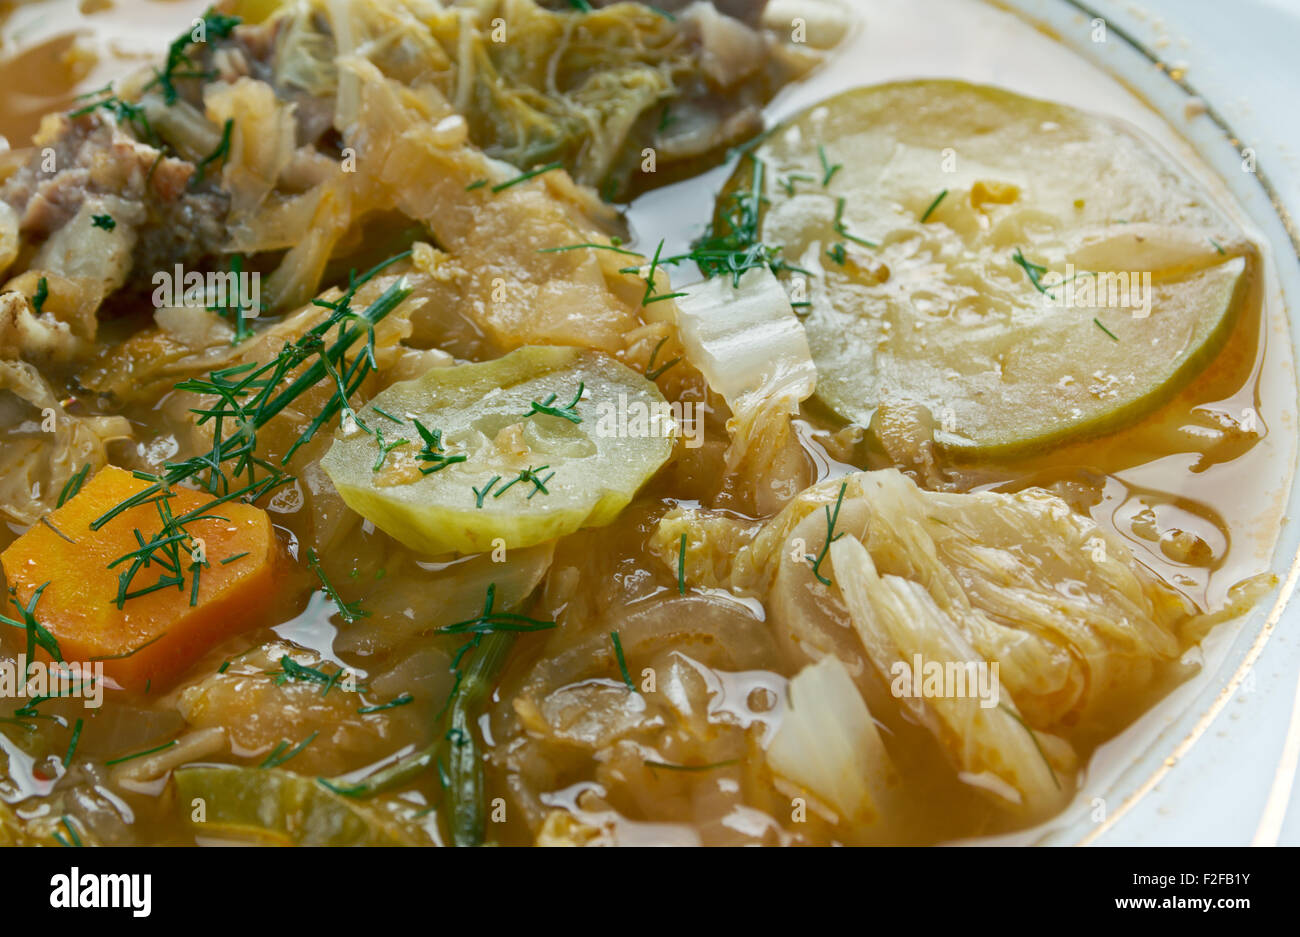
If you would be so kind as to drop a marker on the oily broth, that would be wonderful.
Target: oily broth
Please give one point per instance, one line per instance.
(1177, 460)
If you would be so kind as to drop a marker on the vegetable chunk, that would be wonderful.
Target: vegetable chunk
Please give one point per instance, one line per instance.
(149, 640)
(525, 448)
(1026, 272)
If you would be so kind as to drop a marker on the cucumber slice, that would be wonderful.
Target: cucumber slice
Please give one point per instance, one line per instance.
(938, 218)
(569, 435)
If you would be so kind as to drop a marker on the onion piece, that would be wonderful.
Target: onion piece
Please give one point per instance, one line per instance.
(829, 744)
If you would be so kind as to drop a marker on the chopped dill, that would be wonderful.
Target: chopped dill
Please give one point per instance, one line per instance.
(230, 559)
(1099, 325)
(843, 231)
(279, 756)
(524, 177)
(933, 205)
(567, 412)
(124, 111)
(221, 152)
(666, 766)
(433, 451)
(388, 416)
(480, 495)
(385, 448)
(837, 253)
(178, 64)
(476, 184)
(1217, 246)
(73, 485)
(589, 246)
(828, 171)
(490, 621)
(391, 704)
(149, 751)
(72, 833)
(622, 661)
(681, 566)
(72, 743)
(42, 293)
(1033, 271)
(350, 611)
(37, 634)
(105, 222)
(651, 371)
(832, 517)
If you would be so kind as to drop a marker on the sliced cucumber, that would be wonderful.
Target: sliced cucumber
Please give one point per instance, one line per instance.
(937, 220)
(569, 436)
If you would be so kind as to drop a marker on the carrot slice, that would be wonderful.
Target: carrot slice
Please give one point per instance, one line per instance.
(153, 638)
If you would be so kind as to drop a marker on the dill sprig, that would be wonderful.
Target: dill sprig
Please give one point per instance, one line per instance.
(668, 766)
(248, 396)
(385, 448)
(622, 661)
(1032, 270)
(279, 756)
(1100, 325)
(234, 308)
(933, 205)
(42, 293)
(588, 245)
(567, 412)
(524, 177)
(490, 621)
(37, 634)
(123, 111)
(843, 231)
(73, 839)
(290, 669)
(72, 485)
(148, 751)
(651, 372)
(401, 700)
(179, 64)
(529, 474)
(72, 743)
(731, 245)
(221, 152)
(349, 611)
(832, 517)
(681, 566)
(828, 170)
(479, 495)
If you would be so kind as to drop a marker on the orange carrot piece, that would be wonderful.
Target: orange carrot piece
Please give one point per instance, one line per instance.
(153, 638)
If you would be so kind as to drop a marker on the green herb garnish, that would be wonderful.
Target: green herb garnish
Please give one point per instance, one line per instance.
(278, 755)
(151, 751)
(1099, 325)
(221, 152)
(828, 171)
(72, 485)
(832, 517)
(349, 611)
(1033, 271)
(524, 177)
(391, 704)
(622, 661)
(567, 412)
(933, 205)
(42, 293)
